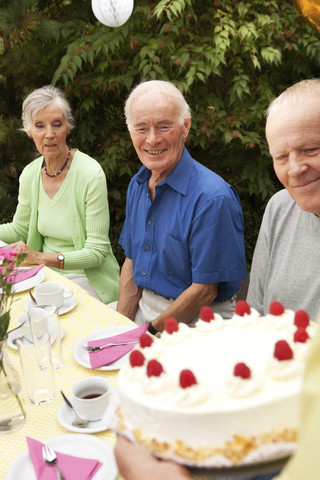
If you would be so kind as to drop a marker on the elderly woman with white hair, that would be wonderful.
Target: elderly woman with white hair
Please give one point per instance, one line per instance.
(62, 217)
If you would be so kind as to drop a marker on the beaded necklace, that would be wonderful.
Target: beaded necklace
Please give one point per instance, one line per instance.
(58, 173)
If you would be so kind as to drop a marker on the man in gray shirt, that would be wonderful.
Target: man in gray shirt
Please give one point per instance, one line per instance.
(287, 254)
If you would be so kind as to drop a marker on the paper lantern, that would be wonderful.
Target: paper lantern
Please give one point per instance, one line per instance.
(112, 13)
(310, 10)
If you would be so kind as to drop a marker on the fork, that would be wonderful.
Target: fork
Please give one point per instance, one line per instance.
(97, 349)
(50, 457)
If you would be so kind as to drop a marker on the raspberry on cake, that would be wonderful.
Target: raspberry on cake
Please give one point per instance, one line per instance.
(136, 358)
(187, 379)
(282, 351)
(242, 307)
(242, 370)
(206, 314)
(154, 368)
(276, 308)
(145, 340)
(171, 325)
(300, 335)
(301, 319)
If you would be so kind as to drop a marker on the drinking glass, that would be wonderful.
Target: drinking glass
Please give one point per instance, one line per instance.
(46, 321)
(39, 382)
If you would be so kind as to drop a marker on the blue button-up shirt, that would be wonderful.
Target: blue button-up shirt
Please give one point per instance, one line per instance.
(192, 232)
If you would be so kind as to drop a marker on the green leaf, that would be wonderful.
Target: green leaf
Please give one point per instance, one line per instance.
(78, 61)
(4, 324)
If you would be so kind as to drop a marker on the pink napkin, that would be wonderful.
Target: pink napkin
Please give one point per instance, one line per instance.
(19, 275)
(73, 468)
(111, 354)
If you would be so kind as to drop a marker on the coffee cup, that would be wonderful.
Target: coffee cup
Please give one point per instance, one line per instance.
(25, 328)
(90, 397)
(51, 293)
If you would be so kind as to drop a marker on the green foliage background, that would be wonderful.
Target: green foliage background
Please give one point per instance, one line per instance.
(229, 58)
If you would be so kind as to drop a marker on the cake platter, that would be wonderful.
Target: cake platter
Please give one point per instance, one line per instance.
(241, 472)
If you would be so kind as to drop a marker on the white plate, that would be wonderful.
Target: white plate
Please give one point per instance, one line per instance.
(81, 356)
(65, 418)
(28, 283)
(85, 446)
(68, 304)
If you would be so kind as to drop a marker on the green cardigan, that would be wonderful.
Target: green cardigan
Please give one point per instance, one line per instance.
(88, 213)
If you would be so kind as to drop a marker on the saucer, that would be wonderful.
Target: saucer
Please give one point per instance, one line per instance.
(65, 418)
(68, 304)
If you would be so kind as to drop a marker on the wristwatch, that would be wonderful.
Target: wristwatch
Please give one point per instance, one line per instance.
(60, 257)
(151, 329)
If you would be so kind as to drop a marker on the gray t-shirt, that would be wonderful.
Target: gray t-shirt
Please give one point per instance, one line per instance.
(286, 260)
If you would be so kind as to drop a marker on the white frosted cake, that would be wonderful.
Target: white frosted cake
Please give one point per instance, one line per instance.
(223, 393)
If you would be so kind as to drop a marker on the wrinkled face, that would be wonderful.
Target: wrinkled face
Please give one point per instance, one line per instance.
(156, 132)
(293, 135)
(49, 130)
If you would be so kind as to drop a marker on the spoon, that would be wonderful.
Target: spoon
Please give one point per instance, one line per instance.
(78, 421)
(32, 297)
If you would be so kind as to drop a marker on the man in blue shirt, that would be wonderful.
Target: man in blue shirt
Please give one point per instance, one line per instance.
(183, 232)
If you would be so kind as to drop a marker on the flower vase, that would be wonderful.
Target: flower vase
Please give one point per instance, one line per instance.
(12, 413)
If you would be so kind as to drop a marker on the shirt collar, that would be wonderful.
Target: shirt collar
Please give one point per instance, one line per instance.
(178, 179)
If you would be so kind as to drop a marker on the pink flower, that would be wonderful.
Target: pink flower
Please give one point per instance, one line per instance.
(7, 253)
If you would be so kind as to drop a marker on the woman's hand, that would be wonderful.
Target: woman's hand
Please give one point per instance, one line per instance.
(36, 258)
(136, 463)
(33, 257)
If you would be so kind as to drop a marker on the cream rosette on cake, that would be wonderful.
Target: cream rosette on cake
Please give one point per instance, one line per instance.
(239, 387)
(182, 333)
(244, 316)
(283, 366)
(208, 321)
(246, 320)
(279, 318)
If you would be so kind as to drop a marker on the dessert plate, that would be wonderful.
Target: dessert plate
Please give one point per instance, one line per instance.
(28, 283)
(85, 446)
(68, 304)
(65, 418)
(81, 356)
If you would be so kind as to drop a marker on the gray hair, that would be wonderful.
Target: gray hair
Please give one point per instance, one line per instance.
(296, 93)
(160, 85)
(39, 99)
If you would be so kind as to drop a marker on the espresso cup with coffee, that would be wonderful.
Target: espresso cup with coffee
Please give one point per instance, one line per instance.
(51, 293)
(90, 397)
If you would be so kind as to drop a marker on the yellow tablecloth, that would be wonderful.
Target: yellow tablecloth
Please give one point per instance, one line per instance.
(41, 422)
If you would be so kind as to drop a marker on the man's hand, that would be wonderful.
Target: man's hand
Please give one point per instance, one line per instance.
(188, 305)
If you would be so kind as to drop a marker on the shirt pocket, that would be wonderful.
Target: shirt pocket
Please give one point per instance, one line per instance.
(176, 260)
